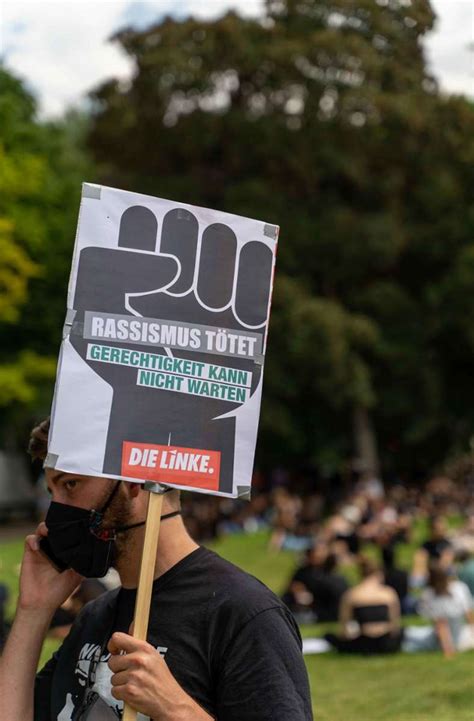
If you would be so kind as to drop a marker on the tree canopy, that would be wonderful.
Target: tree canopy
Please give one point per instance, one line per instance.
(320, 116)
(41, 169)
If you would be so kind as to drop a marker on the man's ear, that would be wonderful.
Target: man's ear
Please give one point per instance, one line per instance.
(133, 489)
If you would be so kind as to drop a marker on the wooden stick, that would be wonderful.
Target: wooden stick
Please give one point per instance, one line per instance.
(145, 583)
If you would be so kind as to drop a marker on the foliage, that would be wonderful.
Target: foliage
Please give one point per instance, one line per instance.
(322, 116)
(21, 178)
(15, 271)
(19, 380)
(41, 168)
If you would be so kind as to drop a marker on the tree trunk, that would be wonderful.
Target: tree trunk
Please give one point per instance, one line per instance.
(365, 442)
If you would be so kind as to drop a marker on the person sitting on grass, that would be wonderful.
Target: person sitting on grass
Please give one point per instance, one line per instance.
(437, 549)
(316, 588)
(466, 569)
(369, 615)
(399, 580)
(448, 604)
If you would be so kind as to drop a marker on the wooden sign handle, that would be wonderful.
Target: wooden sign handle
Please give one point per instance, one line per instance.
(145, 583)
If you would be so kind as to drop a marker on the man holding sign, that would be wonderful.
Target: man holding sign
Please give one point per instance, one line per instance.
(220, 644)
(159, 382)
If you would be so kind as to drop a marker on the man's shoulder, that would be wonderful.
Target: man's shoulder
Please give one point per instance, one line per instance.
(233, 591)
(235, 602)
(227, 576)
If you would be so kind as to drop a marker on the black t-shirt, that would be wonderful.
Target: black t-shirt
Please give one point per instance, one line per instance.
(397, 579)
(227, 639)
(62, 617)
(327, 590)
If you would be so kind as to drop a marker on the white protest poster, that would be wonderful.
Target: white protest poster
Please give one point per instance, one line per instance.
(161, 365)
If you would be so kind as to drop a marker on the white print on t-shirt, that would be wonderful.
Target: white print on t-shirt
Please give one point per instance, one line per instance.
(87, 655)
(103, 686)
(101, 679)
(66, 713)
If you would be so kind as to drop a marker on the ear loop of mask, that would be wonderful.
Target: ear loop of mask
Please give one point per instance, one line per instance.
(170, 515)
(110, 533)
(96, 517)
(173, 513)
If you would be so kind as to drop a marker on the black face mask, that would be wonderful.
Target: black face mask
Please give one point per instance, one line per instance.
(77, 540)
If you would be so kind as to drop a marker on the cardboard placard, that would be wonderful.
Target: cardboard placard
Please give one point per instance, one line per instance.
(161, 365)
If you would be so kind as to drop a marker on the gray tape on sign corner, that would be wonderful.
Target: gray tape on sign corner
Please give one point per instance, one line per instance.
(91, 191)
(158, 488)
(271, 231)
(51, 460)
(77, 328)
(243, 492)
(68, 322)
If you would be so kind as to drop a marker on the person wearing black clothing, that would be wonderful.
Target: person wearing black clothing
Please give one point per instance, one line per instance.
(436, 549)
(220, 644)
(364, 643)
(438, 545)
(374, 608)
(317, 582)
(231, 645)
(397, 579)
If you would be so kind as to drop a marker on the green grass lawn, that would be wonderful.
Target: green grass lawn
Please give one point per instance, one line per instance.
(422, 687)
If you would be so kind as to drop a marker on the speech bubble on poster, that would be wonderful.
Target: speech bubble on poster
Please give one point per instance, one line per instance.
(161, 365)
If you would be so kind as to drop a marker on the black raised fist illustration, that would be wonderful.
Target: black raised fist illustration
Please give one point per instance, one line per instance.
(201, 279)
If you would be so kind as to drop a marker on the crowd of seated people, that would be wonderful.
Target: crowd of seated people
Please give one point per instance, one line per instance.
(438, 585)
(327, 531)
(328, 524)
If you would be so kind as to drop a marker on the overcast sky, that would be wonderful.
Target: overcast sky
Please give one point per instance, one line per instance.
(60, 47)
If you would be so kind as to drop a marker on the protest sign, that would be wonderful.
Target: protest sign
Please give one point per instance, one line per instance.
(161, 365)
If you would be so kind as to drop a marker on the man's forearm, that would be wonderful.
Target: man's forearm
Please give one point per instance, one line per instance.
(18, 664)
(189, 710)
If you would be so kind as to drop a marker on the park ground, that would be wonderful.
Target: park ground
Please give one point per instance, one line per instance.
(421, 687)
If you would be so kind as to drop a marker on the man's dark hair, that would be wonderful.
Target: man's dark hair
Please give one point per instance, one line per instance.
(38, 443)
(38, 450)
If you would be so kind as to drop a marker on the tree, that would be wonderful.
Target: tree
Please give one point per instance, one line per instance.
(41, 168)
(20, 175)
(321, 116)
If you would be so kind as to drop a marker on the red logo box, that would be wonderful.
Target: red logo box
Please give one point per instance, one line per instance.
(171, 464)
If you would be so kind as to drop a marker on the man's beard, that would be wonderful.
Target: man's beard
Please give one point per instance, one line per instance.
(117, 515)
